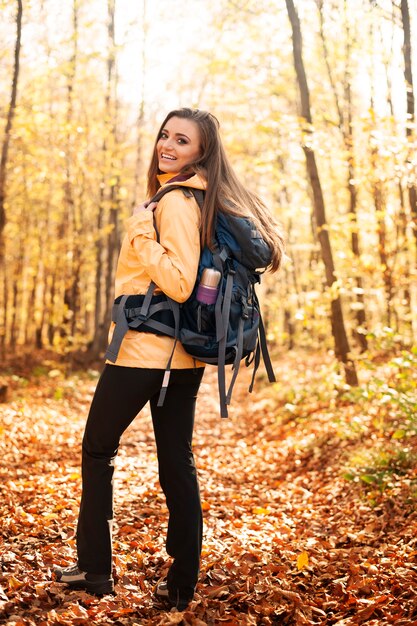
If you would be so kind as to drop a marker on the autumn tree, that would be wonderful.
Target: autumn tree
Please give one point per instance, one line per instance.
(342, 348)
(93, 90)
(5, 155)
(8, 129)
(344, 112)
(70, 229)
(107, 220)
(140, 120)
(410, 130)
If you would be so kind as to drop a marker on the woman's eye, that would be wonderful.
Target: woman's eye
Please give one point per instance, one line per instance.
(182, 141)
(163, 136)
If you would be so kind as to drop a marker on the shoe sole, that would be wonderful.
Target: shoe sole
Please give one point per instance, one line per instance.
(179, 605)
(96, 588)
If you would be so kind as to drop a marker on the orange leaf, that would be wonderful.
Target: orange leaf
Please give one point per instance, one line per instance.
(259, 510)
(15, 583)
(302, 560)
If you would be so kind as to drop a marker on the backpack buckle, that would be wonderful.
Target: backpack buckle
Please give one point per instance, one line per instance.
(136, 314)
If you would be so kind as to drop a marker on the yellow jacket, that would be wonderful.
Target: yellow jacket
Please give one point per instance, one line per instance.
(171, 264)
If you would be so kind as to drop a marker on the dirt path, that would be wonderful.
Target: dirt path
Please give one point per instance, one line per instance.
(288, 540)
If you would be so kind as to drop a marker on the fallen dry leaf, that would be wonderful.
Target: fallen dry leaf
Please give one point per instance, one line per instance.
(287, 539)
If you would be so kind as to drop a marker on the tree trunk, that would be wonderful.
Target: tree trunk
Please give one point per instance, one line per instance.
(139, 169)
(402, 221)
(345, 124)
(408, 75)
(70, 223)
(3, 168)
(51, 328)
(8, 129)
(105, 273)
(112, 250)
(353, 196)
(342, 349)
(387, 275)
(97, 342)
(379, 200)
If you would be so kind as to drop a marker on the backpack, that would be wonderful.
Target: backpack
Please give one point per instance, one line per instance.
(222, 332)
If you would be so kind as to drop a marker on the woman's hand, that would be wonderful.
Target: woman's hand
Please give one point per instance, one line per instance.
(145, 206)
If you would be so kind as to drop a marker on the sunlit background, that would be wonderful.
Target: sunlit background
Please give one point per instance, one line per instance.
(97, 76)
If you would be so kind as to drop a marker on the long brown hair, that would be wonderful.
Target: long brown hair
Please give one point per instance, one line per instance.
(224, 190)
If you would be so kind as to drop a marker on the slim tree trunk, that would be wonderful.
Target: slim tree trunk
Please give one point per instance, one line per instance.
(402, 220)
(408, 75)
(3, 168)
(18, 318)
(353, 195)
(342, 349)
(112, 249)
(384, 257)
(138, 190)
(106, 250)
(98, 309)
(51, 328)
(70, 222)
(50, 261)
(8, 129)
(378, 195)
(345, 123)
(291, 276)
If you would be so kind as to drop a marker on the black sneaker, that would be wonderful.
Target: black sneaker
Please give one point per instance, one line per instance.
(98, 584)
(174, 598)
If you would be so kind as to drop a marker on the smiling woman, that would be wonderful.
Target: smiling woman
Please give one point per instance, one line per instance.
(178, 145)
(161, 248)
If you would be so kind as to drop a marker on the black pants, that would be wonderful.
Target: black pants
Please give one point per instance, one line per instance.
(121, 393)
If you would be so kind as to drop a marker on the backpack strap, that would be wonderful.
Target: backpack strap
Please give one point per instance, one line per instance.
(219, 259)
(265, 352)
(221, 371)
(119, 332)
(238, 358)
(144, 310)
(125, 318)
(165, 382)
(262, 347)
(190, 192)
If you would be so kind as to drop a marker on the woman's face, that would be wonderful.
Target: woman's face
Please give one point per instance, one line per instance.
(178, 145)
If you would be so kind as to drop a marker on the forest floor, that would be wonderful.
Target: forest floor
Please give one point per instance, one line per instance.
(309, 494)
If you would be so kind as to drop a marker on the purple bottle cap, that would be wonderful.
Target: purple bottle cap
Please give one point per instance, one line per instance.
(207, 295)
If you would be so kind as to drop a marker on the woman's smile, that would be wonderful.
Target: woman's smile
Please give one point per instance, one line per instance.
(170, 157)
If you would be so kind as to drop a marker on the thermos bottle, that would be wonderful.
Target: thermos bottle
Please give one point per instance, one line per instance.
(208, 287)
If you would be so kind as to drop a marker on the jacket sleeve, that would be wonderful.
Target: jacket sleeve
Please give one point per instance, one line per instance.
(172, 262)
